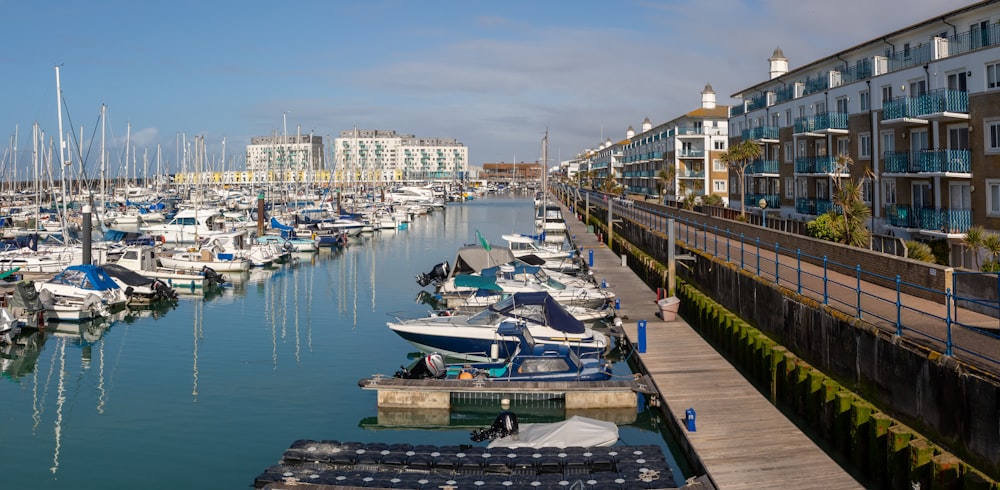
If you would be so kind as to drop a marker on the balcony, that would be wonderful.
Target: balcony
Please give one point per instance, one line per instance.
(765, 133)
(940, 104)
(948, 221)
(824, 165)
(691, 154)
(773, 200)
(691, 174)
(763, 167)
(928, 162)
(822, 124)
(815, 207)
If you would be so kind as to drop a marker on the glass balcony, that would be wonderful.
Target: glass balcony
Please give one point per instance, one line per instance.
(764, 132)
(691, 153)
(763, 167)
(821, 122)
(815, 207)
(773, 200)
(942, 220)
(932, 161)
(690, 130)
(964, 42)
(820, 83)
(691, 174)
(860, 71)
(758, 102)
(785, 93)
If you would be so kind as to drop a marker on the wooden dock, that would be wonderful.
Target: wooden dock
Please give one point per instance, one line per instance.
(438, 393)
(741, 439)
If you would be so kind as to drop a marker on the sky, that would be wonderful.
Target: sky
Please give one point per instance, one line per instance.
(494, 75)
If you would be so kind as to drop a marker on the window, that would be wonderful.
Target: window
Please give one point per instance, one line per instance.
(842, 105)
(992, 135)
(866, 101)
(866, 191)
(718, 166)
(801, 150)
(889, 191)
(719, 185)
(993, 75)
(958, 137)
(918, 88)
(788, 152)
(776, 120)
(843, 146)
(864, 146)
(788, 117)
(993, 195)
(886, 93)
(957, 81)
(820, 108)
(822, 187)
(789, 188)
(803, 188)
(720, 145)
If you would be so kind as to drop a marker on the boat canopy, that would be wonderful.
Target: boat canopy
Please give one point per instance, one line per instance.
(541, 308)
(473, 259)
(85, 276)
(479, 282)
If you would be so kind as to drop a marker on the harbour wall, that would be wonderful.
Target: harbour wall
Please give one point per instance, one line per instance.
(898, 411)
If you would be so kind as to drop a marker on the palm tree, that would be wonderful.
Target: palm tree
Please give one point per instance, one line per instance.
(973, 240)
(853, 210)
(738, 157)
(992, 245)
(665, 179)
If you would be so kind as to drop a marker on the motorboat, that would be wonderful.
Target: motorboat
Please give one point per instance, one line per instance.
(141, 259)
(530, 361)
(83, 282)
(188, 226)
(475, 337)
(495, 283)
(139, 289)
(192, 259)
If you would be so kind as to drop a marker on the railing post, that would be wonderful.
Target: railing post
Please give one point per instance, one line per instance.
(741, 251)
(798, 268)
(729, 244)
(859, 290)
(777, 265)
(717, 244)
(704, 236)
(758, 256)
(899, 309)
(826, 299)
(947, 320)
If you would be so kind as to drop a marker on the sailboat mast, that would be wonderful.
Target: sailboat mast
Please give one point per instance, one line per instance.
(62, 140)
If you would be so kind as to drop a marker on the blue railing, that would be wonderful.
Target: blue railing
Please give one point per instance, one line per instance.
(760, 133)
(818, 165)
(763, 167)
(821, 122)
(934, 161)
(773, 200)
(929, 219)
(815, 207)
(918, 107)
(866, 295)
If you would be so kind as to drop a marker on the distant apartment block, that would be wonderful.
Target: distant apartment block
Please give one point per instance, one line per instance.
(383, 156)
(511, 172)
(279, 154)
(688, 147)
(918, 108)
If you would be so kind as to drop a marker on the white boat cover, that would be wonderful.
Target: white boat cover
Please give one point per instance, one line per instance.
(575, 431)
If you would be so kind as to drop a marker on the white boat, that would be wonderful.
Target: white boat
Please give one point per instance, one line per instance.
(495, 283)
(475, 338)
(549, 255)
(140, 259)
(80, 292)
(549, 220)
(238, 244)
(576, 431)
(188, 226)
(193, 259)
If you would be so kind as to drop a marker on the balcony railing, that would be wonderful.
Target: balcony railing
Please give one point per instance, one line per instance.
(943, 220)
(937, 101)
(964, 42)
(773, 200)
(820, 83)
(821, 122)
(860, 71)
(758, 102)
(913, 56)
(784, 93)
(691, 174)
(934, 161)
(691, 153)
(763, 132)
(763, 167)
(815, 207)
(818, 165)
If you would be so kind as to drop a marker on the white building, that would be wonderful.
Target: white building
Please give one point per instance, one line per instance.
(278, 153)
(383, 156)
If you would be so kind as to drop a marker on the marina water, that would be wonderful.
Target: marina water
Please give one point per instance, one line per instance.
(209, 392)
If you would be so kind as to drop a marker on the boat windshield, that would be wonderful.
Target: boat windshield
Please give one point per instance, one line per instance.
(485, 317)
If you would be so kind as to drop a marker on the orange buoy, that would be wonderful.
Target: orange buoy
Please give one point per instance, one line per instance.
(465, 375)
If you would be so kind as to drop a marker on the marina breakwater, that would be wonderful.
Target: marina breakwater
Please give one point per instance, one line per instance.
(894, 411)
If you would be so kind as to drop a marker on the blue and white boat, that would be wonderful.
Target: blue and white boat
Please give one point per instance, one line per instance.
(530, 361)
(476, 338)
(80, 292)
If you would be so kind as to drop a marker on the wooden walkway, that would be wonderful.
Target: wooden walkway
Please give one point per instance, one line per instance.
(741, 439)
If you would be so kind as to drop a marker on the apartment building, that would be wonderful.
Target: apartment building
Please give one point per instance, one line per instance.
(917, 108)
(383, 156)
(691, 144)
(282, 154)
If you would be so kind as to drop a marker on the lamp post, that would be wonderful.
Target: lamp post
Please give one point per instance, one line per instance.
(763, 209)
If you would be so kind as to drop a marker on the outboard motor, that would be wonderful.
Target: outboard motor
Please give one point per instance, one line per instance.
(429, 366)
(504, 425)
(438, 273)
(164, 292)
(212, 276)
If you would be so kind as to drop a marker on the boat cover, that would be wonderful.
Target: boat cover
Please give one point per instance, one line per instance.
(575, 431)
(85, 276)
(473, 259)
(552, 313)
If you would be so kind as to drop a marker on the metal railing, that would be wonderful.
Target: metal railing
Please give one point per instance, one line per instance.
(876, 298)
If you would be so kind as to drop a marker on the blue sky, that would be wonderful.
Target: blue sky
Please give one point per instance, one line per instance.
(492, 74)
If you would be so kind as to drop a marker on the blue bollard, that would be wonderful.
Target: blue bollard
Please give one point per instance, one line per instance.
(590, 257)
(642, 336)
(689, 419)
(618, 303)
(604, 283)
